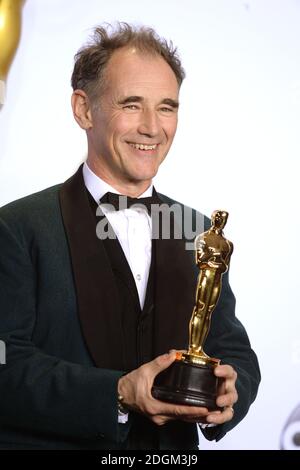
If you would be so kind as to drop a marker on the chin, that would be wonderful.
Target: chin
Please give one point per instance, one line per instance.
(143, 175)
(141, 178)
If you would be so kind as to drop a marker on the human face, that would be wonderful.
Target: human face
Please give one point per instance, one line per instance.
(135, 121)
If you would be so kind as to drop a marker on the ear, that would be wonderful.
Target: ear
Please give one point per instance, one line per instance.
(82, 109)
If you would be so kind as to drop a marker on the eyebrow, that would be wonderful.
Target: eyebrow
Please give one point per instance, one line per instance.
(138, 99)
(170, 102)
(130, 99)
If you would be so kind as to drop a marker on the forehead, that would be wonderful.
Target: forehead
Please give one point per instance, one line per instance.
(128, 70)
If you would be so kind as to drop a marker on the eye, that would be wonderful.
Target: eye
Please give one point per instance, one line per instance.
(166, 110)
(131, 107)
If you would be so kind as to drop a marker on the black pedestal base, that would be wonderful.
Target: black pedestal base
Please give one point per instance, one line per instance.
(187, 384)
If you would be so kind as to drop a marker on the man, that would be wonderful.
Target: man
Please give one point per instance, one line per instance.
(88, 321)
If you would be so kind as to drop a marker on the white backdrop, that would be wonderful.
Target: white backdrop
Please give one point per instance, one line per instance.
(237, 148)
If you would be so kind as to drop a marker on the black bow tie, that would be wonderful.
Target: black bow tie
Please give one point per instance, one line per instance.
(120, 202)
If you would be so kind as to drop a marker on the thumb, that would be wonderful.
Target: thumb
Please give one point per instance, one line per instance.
(163, 362)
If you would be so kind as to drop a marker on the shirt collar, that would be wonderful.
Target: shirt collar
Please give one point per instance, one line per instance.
(97, 187)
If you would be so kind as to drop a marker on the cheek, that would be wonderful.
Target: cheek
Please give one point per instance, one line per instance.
(121, 127)
(170, 129)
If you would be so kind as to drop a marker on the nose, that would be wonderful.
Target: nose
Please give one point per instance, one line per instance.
(149, 124)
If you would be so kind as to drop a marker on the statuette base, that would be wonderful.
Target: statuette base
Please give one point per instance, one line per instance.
(188, 383)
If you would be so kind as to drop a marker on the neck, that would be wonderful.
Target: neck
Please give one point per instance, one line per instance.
(218, 230)
(128, 188)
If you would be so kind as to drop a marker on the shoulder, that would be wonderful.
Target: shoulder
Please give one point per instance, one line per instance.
(32, 209)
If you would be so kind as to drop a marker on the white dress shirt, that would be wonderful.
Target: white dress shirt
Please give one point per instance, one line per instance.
(132, 227)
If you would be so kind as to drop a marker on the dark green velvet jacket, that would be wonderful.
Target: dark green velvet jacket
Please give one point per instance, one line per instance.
(60, 320)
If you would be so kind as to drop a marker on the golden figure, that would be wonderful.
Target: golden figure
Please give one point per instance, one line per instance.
(10, 30)
(190, 380)
(213, 253)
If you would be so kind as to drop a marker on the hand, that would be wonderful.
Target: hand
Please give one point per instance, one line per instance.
(136, 386)
(227, 395)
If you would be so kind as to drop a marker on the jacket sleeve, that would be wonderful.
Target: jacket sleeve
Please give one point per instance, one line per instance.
(228, 341)
(40, 392)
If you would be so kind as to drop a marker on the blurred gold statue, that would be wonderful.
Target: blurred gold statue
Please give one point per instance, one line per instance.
(10, 29)
(213, 253)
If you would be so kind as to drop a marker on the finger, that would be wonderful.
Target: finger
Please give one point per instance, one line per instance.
(227, 394)
(179, 411)
(160, 420)
(228, 399)
(225, 371)
(198, 419)
(226, 415)
(162, 362)
(195, 420)
(177, 350)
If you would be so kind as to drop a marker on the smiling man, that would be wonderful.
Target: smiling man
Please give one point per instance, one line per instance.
(88, 320)
(131, 124)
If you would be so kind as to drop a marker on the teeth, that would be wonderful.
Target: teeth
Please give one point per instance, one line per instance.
(144, 147)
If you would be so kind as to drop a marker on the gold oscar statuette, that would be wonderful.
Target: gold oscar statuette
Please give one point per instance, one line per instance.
(10, 30)
(190, 380)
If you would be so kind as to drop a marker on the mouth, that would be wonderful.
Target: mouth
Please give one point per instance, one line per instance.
(143, 147)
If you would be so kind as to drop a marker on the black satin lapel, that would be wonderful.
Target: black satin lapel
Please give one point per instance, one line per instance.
(176, 277)
(121, 267)
(97, 295)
